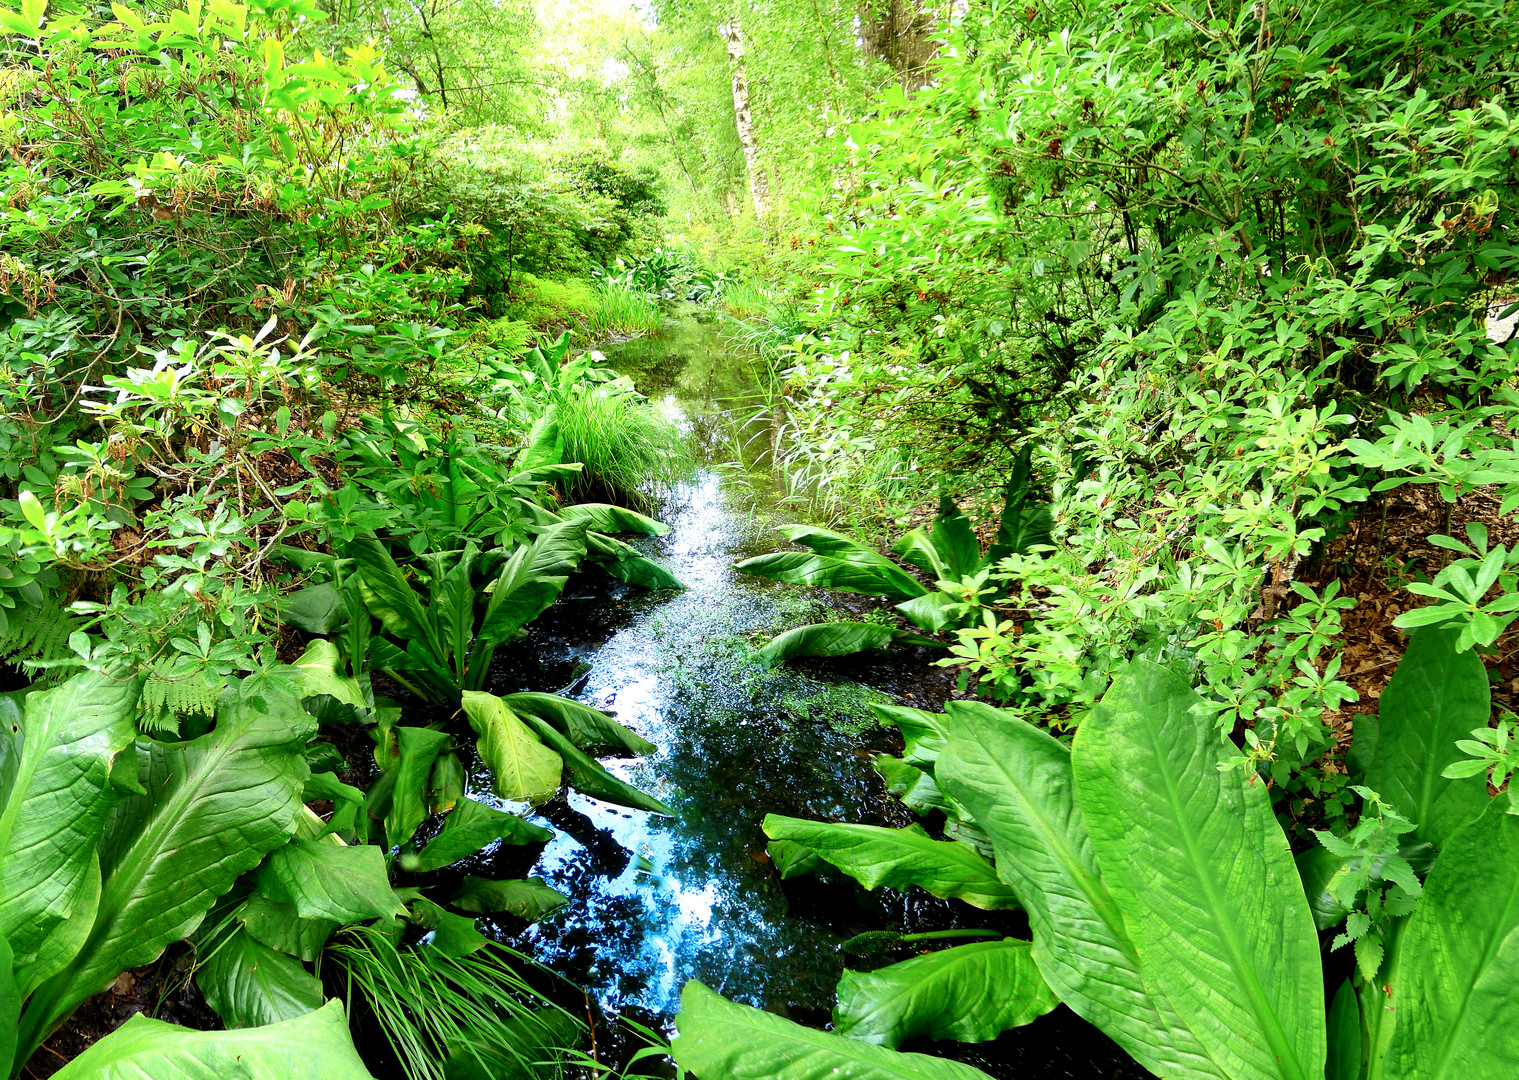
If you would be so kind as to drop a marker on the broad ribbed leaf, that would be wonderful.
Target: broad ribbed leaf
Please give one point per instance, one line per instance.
(452, 609)
(912, 785)
(250, 985)
(60, 791)
(825, 639)
(469, 827)
(925, 733)
(883, 578)
(1436, 696)
(213, 808)
(417, 749)
(277, 924)
(586, 727)
(971, 993)
(10, 1009)
(1344, 1061)
(529, 899)
(520, 596)
(316, 1046)
(316, 609)
(624, 561)
(897, 858)
(1017, 782)
(1195, 859)
(1459, 1018)
(521, 766)
(450, 934)
(337, 883)
(722, 1041)
(606, 518)
(390, 597)
(319, 673)
(587, 774)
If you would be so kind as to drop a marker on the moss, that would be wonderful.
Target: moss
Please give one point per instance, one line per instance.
(543, 303)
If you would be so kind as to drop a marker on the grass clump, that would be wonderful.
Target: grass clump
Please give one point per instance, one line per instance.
(623, 310)
(457, 1017)
(627, 446)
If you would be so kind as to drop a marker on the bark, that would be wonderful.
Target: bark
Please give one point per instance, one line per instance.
(901, 33)
(743, 119)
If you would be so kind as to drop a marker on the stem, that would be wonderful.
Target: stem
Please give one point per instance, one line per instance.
(942, 935)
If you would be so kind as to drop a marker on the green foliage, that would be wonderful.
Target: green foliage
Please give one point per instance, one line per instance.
(315, 1046)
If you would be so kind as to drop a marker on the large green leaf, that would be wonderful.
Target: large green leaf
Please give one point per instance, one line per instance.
(336, 883)
(1436, 696)
(319, 671)
(1459, 1018)
(417, 749)
(279, 925)
(835, 562)
(971, 993)
(469, 827)
(912, 785)
(606, 518)
(521, 766)
(316, 1046)
(587, 727)
(316, 609)
(1344, 1061)
(587, 774)
(924, 733)
(624, 561)
(520, 595)
(722, 1041)
(250, 984)
(826, 639)
(949, 550)
(528, 898)
(897, 858)
(1194, 857)
(1017, 782)
(10, 1009)
(212, 808)
(390, 597)
(60, 791)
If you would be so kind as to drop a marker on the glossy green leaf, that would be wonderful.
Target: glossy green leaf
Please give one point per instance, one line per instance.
(315, 1046)
(529, 899)
(1195, 859)
(897, 858)
(450, 934)
(446, 785)
(59, 793)
(319, 673)
(607, 518)
(1017, 782)
(1344, 1061)
(825, 639)
(722, 1041)
(1459, 1018)
(250, 984)
(970, 993)
(335, 883)
(835, 562)
(214, 806)
(520, 595)
(912, 785)
(389, 596)
(279, 925)
(417, 750)
(10, 1009)
(521, 766)
(625, 562)
(467, 828)
(316, 609)
(1436, 696)
(792, 859)
(924, 733)
(589, 777)
(587, 728)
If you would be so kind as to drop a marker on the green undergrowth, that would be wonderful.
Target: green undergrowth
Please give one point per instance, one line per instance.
(543, 303)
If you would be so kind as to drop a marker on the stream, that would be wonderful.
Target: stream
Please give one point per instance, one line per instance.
(654, 900)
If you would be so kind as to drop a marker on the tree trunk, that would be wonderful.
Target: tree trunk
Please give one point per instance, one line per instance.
(901, 33)
(743, 119)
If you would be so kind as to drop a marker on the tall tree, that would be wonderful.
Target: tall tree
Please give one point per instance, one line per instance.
(743, 117)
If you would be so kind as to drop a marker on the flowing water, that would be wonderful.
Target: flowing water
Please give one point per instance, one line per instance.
(658, 900)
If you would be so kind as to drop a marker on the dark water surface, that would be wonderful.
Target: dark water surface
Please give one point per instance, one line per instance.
(657, 900)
